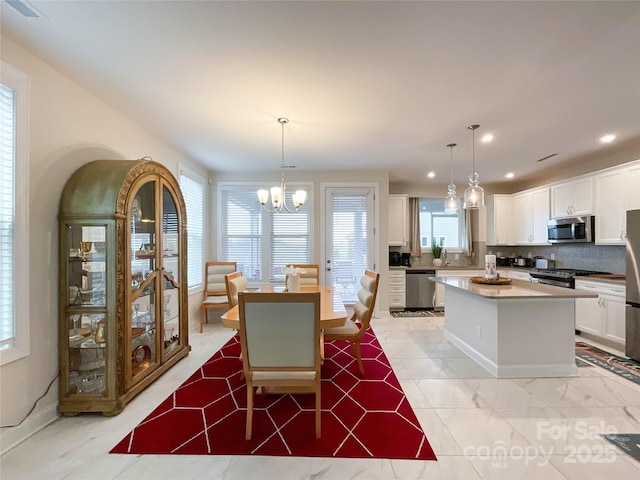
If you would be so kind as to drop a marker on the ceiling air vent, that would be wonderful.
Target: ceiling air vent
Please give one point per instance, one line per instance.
(546, 158)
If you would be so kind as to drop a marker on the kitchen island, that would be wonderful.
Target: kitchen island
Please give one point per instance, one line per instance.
(521, 329)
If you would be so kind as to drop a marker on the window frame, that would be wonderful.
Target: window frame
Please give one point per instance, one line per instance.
(267, 234)
(461, 232)
(19, 82)
(199, 179)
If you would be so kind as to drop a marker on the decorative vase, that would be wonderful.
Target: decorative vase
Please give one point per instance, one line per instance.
(437, 262)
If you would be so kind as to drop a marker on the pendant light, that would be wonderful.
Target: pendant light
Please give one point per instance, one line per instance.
(451, 201)
(278, 194)
(474, 194)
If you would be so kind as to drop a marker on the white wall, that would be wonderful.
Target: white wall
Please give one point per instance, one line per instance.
(68, 128)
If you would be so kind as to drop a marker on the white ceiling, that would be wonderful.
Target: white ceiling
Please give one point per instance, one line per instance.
(366, 85)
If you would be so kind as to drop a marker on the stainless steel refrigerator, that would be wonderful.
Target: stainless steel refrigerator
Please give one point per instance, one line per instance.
(632, 332)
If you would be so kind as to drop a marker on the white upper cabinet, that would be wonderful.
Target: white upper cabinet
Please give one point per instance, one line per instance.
(571, 198)
(499, 219)
(610, 213)
(530, 216)
(616, 191)
(541, 205)
(522, 218)
(398, 222)
(632, 187)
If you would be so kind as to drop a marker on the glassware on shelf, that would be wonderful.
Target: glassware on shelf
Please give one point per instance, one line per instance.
(85, 247)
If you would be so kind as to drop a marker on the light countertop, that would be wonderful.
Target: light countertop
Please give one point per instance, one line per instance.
(517, 289)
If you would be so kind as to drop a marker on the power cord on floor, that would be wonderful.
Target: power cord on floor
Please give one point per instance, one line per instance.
(34, 404)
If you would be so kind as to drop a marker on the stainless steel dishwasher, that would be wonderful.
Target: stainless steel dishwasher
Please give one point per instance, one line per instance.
(420, 290)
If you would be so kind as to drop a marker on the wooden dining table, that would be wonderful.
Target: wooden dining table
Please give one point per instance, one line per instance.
(332, 310)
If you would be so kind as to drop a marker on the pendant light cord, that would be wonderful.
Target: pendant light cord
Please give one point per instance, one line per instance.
(473, 148)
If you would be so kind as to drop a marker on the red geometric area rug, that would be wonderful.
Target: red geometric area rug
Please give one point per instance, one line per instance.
(367, 417)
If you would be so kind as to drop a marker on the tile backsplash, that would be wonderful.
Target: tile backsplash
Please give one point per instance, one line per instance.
(584, 256)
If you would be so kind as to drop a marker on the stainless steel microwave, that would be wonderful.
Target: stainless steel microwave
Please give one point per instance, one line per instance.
(570, 229)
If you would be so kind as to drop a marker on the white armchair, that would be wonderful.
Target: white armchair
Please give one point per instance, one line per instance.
(215, 290)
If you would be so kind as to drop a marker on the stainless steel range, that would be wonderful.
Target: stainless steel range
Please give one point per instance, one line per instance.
(560, 277)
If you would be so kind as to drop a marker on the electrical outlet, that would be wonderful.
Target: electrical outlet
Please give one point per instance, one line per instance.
(553, 256)
(457, 256)
(478, 331)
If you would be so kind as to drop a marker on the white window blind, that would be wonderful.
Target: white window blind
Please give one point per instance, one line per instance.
(262, 243)
(7, 216)
(351, 237)
(192, 187)
(14, 215)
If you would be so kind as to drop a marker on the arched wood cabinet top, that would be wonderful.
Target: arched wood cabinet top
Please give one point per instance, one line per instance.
(101, 187)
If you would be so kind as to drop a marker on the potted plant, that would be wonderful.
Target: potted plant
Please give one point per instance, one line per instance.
(436, 251)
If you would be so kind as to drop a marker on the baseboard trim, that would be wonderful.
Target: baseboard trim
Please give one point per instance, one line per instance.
(513, 371)
(13, 436)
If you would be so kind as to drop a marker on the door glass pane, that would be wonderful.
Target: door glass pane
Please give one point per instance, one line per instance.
(171, 273)
(170, 241)
(86, 275)
(86, 323)
(171, 295)
(87, 353)
(350, 224)
(143, 242)
(143, 326)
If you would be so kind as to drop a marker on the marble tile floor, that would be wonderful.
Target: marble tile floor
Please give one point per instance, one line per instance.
(479, 427)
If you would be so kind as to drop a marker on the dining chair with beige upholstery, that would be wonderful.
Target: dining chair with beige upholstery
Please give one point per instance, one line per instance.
(280, 342)
(354, 329)
(311, 275)
(215, 288)
(235, 282)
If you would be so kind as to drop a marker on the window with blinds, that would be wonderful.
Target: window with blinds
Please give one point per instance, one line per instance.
(192, 187)
(262, 243)
(7, 208)
(14, 216)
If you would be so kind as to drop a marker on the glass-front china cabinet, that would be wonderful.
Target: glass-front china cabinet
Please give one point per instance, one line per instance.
(123, 292)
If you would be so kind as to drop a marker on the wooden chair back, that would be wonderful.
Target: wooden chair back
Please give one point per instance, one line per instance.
(363, 309)
(312, 274)
(235, 283)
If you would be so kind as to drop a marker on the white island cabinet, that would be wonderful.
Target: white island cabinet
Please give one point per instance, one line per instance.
(518, 330)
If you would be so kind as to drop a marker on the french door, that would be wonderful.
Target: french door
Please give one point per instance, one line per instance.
(349, 245)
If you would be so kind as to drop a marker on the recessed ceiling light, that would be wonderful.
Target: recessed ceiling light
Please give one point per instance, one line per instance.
(509, 175)
(431, 174)
(608, 138)
(487, 138)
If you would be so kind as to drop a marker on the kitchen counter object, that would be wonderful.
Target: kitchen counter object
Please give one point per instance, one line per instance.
(517, 289)
(607, 278)
(522, 329)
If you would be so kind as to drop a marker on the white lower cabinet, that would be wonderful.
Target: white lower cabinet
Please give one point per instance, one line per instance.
(604, 316)
(397, 289)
